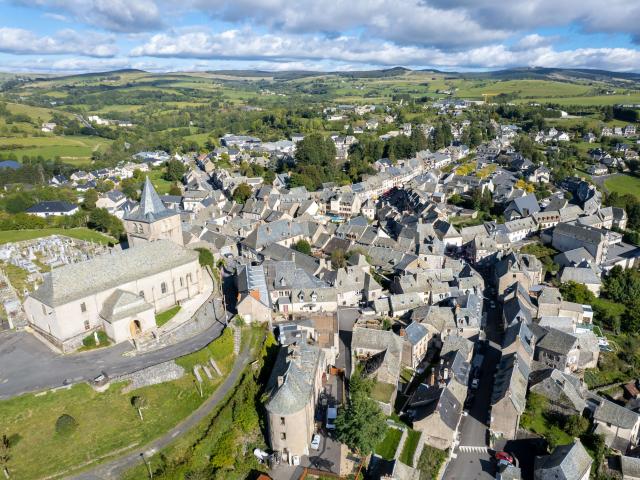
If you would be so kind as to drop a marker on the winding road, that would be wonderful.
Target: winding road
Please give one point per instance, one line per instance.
(115, 468)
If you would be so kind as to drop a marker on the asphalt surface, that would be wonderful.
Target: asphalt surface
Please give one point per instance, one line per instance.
(115, 468)
(27, 365)
(476, 463)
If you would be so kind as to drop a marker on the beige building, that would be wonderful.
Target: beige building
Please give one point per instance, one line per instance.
(119, 293)
(151, 220)
(295, 383)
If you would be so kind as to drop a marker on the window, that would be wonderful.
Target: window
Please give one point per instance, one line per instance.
(283, 436)
(189, 277)
(141, 293)
(281, 420)
(163, 287)
(44, 310)
(181, 281)
(83, 307)
(87, 325)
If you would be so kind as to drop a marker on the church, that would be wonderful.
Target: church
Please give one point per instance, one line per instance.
(120, 292)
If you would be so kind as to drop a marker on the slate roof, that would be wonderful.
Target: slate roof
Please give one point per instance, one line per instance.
(275, 232)
(525, 206)
(580, 275)
(150, 207)
(415, 332)
(560, 387)
(567, 462)
(54, 206)
(75, 281)
(511, 381)
(630, 466)
(558, 341)
(296, 364)
(122, 304)
(609, 412)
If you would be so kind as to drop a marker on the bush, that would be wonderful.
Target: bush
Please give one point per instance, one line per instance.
(66, 425)
(430, 462)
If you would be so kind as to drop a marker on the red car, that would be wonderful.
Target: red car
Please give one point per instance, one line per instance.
(504, 456)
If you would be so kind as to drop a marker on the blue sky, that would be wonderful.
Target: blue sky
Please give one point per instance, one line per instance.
(161, 35)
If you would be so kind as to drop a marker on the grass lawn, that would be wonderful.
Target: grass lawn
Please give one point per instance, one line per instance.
(387, 448)
(382, 392)
(430, 462)
(80, 233)
(167, 315)
(106, 421)
(623, 184)
(409, 448)
(538, 419)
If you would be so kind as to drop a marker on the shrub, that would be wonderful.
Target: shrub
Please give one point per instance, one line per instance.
(66, 425)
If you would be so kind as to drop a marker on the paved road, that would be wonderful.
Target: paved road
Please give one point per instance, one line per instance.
(475, 463)
(27, 365)
(115, 468)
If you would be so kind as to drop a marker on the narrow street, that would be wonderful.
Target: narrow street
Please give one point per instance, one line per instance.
(472, 460)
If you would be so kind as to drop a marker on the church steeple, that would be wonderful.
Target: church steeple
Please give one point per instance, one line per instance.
(150, 204)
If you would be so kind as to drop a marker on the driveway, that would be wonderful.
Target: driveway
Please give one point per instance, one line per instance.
(115, 468)
(27, 365)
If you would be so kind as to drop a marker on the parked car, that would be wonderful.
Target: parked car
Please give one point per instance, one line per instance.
(503, 457)
(315, 442)
(474, 383)
(332, 414)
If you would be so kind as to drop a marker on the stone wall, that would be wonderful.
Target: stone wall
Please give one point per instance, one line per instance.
(163, 372)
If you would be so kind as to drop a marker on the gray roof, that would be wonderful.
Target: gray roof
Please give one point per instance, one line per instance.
(567, 462)
(415, 332)
(75, 281)
(151, 207)
(558, 341)
(525, 206)
(122, 304)
(630, 466)
(561, 388)
(609, 412)
(296, 365)
(580, 275)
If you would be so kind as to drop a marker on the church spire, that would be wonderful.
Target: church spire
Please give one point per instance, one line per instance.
(150, 203)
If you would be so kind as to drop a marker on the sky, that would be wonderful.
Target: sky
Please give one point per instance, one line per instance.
(61, 36)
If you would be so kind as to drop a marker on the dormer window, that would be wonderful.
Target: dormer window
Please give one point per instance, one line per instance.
(314, 296)
(301, 296)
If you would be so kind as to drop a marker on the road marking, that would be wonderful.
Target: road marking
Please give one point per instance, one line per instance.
(473, 449)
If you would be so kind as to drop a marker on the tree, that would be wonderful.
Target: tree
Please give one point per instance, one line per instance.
(5, 454)
(100, 219)
(303, 246)
(577, 292)
(205, 257)
(175, 170)
(242, 193)
(130, 187)
(90, 199)
(139, 402)
(338, 258)
(576, 425)
(362, 425)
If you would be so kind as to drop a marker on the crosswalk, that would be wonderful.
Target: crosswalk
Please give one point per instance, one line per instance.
(473, 449)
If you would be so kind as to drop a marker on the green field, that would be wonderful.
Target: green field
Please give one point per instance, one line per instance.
(522, 88)
(409, 447)
(72, 149)
(106, 422)
(585, 100)
(623, 184)
(80, 233)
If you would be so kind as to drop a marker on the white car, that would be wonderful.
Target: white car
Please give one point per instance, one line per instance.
(315, 442)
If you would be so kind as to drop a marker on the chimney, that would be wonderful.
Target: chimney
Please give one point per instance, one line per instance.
(433, 377)
(280, 380)
(402, 332)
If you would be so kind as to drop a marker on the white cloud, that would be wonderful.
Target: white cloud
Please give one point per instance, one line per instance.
(113, 15)
(20, 41)
(249, 46)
